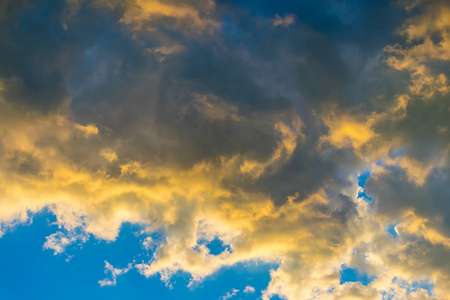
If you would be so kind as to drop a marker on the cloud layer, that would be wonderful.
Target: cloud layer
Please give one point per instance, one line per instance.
(203, 121)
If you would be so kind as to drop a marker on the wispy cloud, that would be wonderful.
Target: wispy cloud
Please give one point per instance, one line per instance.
(114, 272)
(230, 294)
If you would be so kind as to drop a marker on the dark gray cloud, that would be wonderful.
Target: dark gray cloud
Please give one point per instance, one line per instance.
(332, 53)
(266, 72)
(394, 192)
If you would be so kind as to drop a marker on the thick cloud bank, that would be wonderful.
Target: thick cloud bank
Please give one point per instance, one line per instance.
(248, 123)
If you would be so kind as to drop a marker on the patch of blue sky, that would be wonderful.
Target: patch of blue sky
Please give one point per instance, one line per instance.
(29, 272)
(362, 179)
(416, 285)
(386, 295)
(425, 285)
(429, 287)
(276, 298)
(391, 229)
(362, 194)
(353, 275)
(215, 246)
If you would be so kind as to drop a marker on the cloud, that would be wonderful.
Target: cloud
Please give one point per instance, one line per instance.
(204, 121)
(141, 14)
(114, 273)
(348, 131)
(108, 154)
(288, 20)
(163, 51)
(59, 241)
(249, 289)
(230, 294)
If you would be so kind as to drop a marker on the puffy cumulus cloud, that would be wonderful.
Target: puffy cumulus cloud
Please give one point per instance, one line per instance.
(348, 130)
(249, 289)
(399, 264)
(252, 133)
(30, 155)
(256, 230)
(400, 268)
(392, 132)
(407, 139)
(353, 290)
(190, 205)
(427, 40)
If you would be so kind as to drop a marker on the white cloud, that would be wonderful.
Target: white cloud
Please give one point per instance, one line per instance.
(59, 241)
(114, 273)
(230, 294)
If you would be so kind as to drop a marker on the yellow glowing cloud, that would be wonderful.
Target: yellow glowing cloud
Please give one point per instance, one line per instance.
(347, 130)
(283, 152)
(435, 21)
(108, 154)
(142, 14)
(360, 130)
(189, 204)
(413, 224)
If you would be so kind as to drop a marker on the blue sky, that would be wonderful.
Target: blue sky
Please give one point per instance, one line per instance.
(29, 272)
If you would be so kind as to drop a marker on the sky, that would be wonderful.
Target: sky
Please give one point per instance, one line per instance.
(224, 149)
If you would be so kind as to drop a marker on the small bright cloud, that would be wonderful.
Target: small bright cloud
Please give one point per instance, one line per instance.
(59, 241)
(288, 20)
(249, 289)
(230, 294)
(114, 273)
(108, 154)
